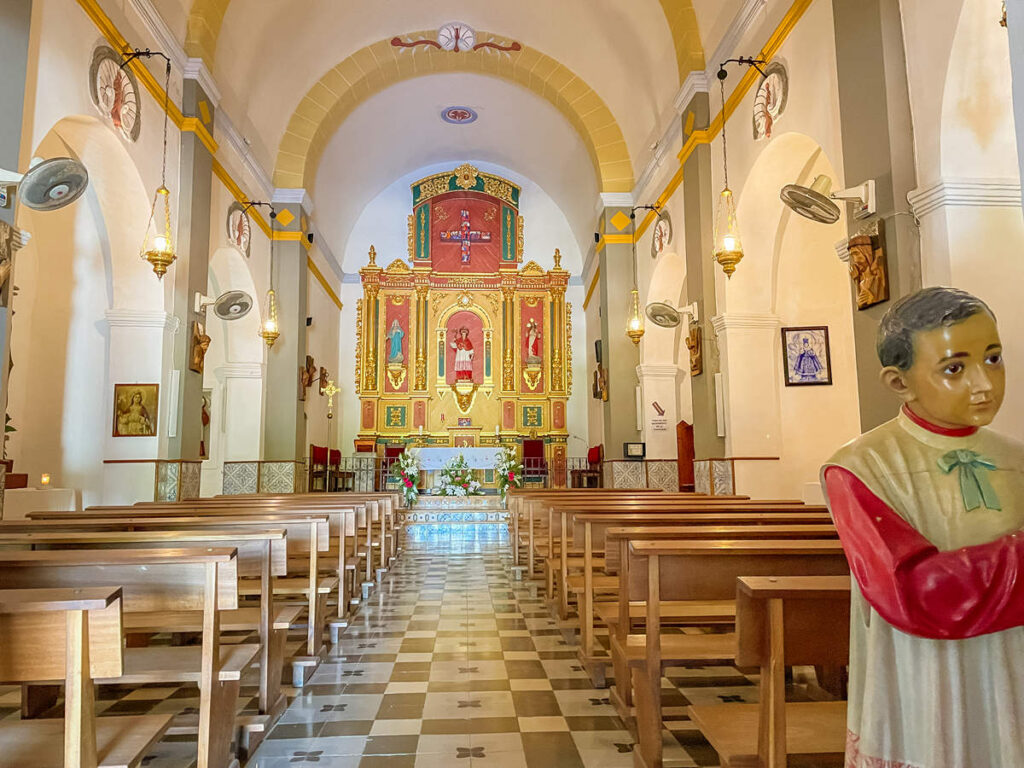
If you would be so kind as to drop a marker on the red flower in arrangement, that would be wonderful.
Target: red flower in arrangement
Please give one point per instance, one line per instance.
(511, 475)
(465, 485)
(408, 484)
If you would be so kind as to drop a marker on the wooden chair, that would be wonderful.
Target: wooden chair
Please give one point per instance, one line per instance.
(591, 476)
(783, 622)
(71, 635)
(318, 474)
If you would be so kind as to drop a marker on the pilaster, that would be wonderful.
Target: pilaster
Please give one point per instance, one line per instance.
(659, 388)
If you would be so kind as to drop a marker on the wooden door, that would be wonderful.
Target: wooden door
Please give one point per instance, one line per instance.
(684, 452)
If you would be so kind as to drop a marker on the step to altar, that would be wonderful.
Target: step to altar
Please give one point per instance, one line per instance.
(456, 510)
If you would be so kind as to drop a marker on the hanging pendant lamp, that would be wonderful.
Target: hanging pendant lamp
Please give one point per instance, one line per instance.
(269, 329)
(635, 319)
(728, 250)
(158, 245)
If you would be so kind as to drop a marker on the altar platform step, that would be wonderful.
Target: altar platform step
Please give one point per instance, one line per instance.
(419, 516)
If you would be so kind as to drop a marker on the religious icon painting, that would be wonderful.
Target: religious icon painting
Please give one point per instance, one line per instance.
(806, 356)
(136, 410)
(662, 236)
(239, 228)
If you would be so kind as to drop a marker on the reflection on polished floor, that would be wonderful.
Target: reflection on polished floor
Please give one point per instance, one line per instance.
(452, 663)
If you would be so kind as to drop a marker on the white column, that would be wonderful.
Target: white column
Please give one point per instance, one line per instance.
(659, 391)
(140, 352)
(235, 421)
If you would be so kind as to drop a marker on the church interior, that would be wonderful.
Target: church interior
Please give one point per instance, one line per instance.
(456, 383)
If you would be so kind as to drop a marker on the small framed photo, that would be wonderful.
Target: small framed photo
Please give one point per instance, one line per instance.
(806, 356)
(634, 450)
(135, 410)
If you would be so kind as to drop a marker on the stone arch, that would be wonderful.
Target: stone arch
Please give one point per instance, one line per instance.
(375, 67)
(80, 283)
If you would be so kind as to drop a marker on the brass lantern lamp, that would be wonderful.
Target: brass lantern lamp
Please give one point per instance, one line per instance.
(270, 330)
(728, 250)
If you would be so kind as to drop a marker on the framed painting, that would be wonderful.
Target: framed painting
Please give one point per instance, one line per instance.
(806, 356)
(136, 409)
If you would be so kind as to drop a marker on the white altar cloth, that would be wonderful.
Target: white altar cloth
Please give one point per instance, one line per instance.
(435, 457)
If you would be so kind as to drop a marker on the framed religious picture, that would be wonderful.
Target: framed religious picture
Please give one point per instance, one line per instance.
(136, 409)
(634, 451)
(806, 356)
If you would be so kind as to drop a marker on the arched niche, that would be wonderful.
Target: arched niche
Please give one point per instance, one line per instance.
(790, 277)
(88, 313)
(233, 372)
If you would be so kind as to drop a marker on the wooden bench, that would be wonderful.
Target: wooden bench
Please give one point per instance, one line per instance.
(783, 622)
(69, 635)
(262, 556)
(694, 570)
(589, 584)
(161, 580)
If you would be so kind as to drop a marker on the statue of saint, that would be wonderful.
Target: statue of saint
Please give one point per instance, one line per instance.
(463, 355)
(532, 344)
(395, 336)
(868, 269)
(930, 510)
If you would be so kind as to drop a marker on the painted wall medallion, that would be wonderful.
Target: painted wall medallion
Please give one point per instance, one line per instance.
(806, 356)
(770, 99)
(239, 228)
(115, 92)
(662, 235)
(459, 115)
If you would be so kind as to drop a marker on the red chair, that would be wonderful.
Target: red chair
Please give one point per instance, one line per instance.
(591, 476)
(318, 468)
(535, 466)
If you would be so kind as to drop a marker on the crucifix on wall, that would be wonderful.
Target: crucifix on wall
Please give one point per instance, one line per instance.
(465, 235)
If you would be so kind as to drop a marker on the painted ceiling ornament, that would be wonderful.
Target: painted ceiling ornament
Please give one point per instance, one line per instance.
(465, 176)
(456, 37)
(662, 236)
(770, 99)
(239, 228)
(115, 92)
(459, 115)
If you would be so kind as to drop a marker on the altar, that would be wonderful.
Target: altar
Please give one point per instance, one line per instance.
(435, 457)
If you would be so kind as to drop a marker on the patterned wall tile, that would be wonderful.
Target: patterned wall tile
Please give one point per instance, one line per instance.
(191, 474)
(240, 477)
(663, 475)
(628, 474)
(167, 476)
(702, 476)
(277, 476)
(724, 483)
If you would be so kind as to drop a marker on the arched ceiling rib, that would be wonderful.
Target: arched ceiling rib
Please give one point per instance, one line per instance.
(377, 66)
(682, 21)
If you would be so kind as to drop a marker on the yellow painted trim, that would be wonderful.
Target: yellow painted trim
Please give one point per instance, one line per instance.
(612, 239)
(600, 245)
(732, 103)
(323, 282)
(292, 237)
(195, 125)
(593, 285)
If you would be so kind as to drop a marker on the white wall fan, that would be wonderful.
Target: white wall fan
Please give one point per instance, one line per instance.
(667, 315)
(48, 184)
(816, 201)
(230, 305)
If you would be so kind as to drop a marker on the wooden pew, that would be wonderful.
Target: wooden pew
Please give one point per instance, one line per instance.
(309, 533)
(695, 570)
(783, 622)
(560, 526)
(161, 580)
(262, 555)
(70, 635)
(736, 525)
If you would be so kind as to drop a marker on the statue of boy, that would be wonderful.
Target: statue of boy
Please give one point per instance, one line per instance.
(929, 508)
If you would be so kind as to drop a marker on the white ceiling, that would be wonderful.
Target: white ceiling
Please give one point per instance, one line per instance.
(400, 130)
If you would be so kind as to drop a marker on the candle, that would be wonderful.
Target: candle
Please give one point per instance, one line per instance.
(421, 429)
(497, 430)
(44, 479)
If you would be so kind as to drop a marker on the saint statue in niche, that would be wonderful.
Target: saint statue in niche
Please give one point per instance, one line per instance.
(463, 355)
(532, 343)
(395, 336)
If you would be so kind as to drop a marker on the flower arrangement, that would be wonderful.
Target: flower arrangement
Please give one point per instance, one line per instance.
(407, 471)
(509, 471)
(457, 479)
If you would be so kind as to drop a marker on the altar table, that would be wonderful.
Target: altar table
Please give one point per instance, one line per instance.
(435, 457)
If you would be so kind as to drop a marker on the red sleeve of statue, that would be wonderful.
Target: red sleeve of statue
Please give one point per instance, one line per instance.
(915, 587)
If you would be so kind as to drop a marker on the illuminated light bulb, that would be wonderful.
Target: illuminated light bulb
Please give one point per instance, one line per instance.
(635, 322)
(269, 331)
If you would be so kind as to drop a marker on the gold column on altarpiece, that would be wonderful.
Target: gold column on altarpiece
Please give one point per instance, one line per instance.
(508, 364)
(420, 378)
(370, 322)
(557, 338)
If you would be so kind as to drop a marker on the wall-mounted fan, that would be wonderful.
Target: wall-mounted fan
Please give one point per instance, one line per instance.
(49, 184)
(232, 305)
(666, 315)
(815, 202)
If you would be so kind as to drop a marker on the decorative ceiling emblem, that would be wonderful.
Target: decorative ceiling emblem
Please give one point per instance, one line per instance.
(115, 92)
(662, 236)
(465, 176)
(770, 99)
(459, 115)
(239, 228)
(456, 37)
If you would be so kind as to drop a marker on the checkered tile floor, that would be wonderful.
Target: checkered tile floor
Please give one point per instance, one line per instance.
(450, 663)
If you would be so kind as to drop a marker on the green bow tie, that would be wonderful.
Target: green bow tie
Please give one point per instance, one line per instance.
(975, 487)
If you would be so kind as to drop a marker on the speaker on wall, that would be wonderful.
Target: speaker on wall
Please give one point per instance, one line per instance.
(597, 351)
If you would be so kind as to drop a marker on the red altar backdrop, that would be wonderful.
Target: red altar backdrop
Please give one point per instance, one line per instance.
(472, 323)
(466, 233)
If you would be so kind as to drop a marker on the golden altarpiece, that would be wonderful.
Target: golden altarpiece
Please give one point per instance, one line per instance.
(467, 346)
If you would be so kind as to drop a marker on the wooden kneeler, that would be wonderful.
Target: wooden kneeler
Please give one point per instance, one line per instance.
(69, 635)
(783, 622)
